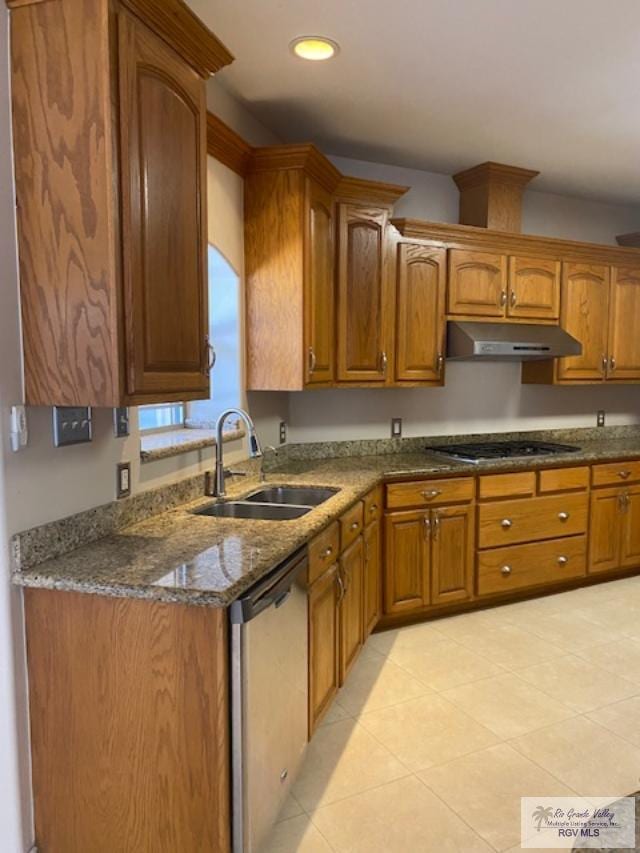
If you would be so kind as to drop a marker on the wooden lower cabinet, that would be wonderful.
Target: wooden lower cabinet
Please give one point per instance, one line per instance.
(533, 564)
(351, 622)
(324, 672)
(452, 550)
(372, 586)
(614, 529)
(407, 584)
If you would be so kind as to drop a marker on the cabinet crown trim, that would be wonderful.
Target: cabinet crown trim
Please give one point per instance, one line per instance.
(359, 190)
(227, 146)
(491, 172)
(305, 157)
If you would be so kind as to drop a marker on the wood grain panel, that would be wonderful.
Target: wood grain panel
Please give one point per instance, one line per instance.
(319, 285)
(351, 614)
(604, 530)
(477, 283)
(517, 485)
(129, 730)
(615, 473)
(372, 580)
(624, 324)
(65, 205)
(163, 138)
(530, 520)
(324, 551)
(452, 553)
(420, 320)
(502, 570)
(429, 492)
(407, 573)
(324, 675)
(563, 480)
(585, 315)
(534, 288)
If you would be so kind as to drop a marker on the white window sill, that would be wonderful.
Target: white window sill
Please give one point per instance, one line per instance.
(162, 445)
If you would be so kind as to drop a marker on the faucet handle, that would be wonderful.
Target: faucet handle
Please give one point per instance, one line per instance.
(229, 473)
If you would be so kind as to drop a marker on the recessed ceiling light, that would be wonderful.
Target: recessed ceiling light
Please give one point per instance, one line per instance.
(315, 48)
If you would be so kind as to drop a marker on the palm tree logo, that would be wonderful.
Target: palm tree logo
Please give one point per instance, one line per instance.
(542, 814)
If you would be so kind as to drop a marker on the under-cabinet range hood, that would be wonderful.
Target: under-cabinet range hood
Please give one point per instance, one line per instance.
(508, 342)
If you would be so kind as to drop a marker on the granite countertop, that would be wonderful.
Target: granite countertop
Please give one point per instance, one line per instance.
(181, 557)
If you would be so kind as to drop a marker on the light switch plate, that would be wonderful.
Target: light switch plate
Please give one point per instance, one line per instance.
(123, 480)
(121, 422)
(71, 425)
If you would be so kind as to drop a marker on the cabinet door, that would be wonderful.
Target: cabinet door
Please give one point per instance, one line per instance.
(406, 569)
(630, 527)
(452, 549)
(351, 622)
(420, 323)
(534, 288)
(363, 295)
(477, 283)
(624, 340)
(323, 645)
(584, 314)
(163, 162)
(319, 279)
(372, 592)
(604, 530)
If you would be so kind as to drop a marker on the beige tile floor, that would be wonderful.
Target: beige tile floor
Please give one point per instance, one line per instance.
(442, 727)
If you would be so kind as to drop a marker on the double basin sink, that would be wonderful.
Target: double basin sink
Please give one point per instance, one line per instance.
(275, 503)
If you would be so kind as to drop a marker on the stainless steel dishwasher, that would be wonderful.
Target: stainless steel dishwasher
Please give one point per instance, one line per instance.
(269, 698)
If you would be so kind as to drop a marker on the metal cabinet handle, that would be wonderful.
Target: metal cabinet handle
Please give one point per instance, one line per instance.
(384, 361)
(562, 561)
(373, 507)
(612, 362)
(427, 527)
(341, 586)
(327, 553)
(513, 299)
(503, 298)
(563, 516)
(440, 364)
(312, 360)
(624, 501)
(436, 524)
(211, 356)
(624, 475)
(506, 570)
(506, 523)
(355, 525)
(428, 494)
(605, 363)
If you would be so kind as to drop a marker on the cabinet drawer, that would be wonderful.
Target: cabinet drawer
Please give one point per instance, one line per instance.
(324, 551)
(508, 522)
(373, 505)
(615, 473)
(534, 564)
(430, 492)
(351, 525)
(517, 485)
(564, 480)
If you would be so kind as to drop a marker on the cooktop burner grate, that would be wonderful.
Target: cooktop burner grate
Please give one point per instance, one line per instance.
(501, 450)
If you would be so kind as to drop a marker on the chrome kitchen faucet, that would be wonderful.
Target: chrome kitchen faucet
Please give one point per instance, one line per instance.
(215, 486)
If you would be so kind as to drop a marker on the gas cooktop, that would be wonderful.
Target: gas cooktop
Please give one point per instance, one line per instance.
(481, 451)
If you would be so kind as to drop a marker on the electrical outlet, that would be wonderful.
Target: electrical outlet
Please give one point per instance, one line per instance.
(123, 481)
(71, 425)
(121, 422)
(601, 418)
(18, 432)
(283, 432)
(396, 427)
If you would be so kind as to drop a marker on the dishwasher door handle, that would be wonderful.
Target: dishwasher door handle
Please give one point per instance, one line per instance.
(272, 590)
(280, 600)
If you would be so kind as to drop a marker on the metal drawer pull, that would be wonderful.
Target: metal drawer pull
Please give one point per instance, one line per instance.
(506, 570)
(624, 475)
(383, 363)
(327, 553)
(506, 523)
(514, 299)
(430, 493)
(427, 527)
(503, 298)
(355, 525)
(563, 561)
(563, 516)
(312, 360)
(436, 525)
(612, 362)
(605, 363)
(440, 363)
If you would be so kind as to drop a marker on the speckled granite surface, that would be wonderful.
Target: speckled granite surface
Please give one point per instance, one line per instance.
(178, 556)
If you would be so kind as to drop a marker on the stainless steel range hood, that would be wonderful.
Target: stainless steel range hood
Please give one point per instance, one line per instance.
(508, 342)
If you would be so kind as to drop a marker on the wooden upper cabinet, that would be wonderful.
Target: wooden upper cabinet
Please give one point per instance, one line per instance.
(585, 316)
(319, 279)
(534, 288)
(364, 309)
(477, 283)
(164, 147)
(420, 313)
(109, 118)
(624, 324)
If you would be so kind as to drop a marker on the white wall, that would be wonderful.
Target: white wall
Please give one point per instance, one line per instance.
(477, 397)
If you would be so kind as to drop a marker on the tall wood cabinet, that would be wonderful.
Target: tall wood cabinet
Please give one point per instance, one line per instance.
(109, 115)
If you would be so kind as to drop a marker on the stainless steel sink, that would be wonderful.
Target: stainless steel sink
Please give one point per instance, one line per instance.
(294, 495)
(256, 511)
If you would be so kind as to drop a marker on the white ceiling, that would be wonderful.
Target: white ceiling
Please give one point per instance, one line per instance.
(443, 85)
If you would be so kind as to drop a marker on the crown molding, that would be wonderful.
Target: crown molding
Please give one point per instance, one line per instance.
(358, 190)
(490, 172)
(468, 236)
(227, 146)
(305, 157)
